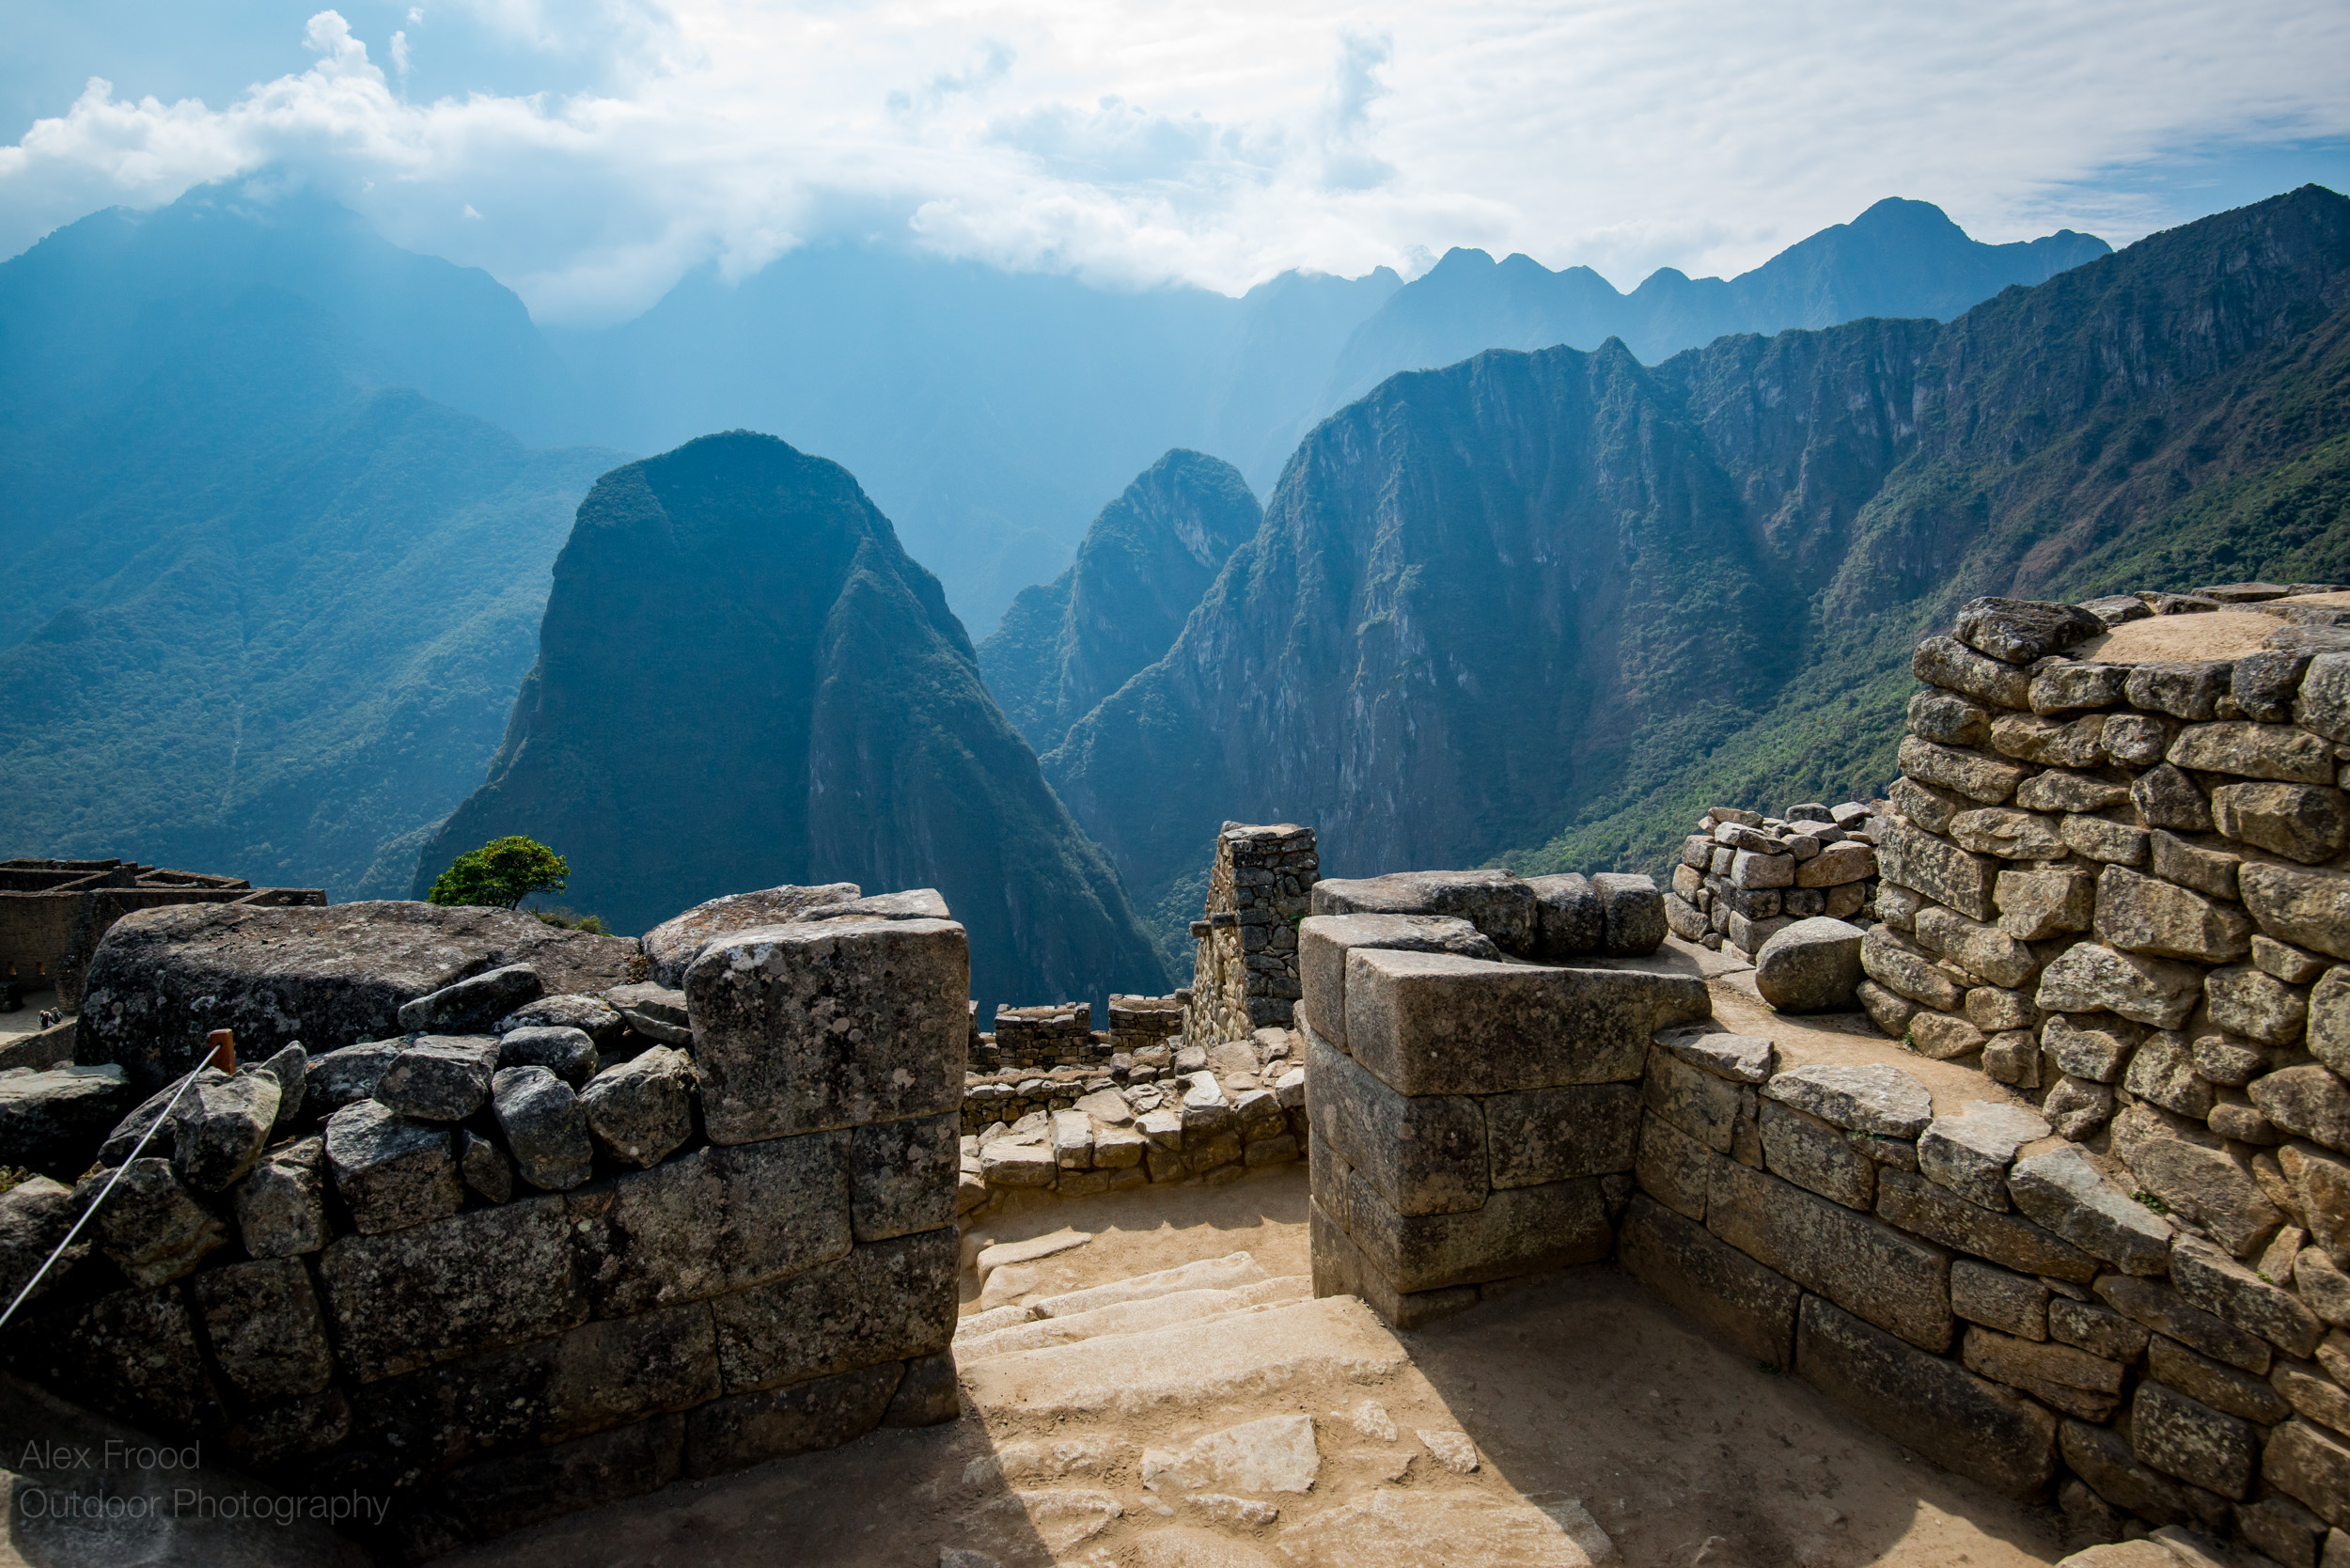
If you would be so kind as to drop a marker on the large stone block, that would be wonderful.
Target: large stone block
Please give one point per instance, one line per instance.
(719, 1219)
(2089, 978)
(1913, 858)
(830, 1024)
(2323, 703)
(598, 1376)
(1324, 940)
(2312, 1465)
(2008, 834)
(2163, 1310)
(53, 1121)
(2300, 822)
(2192, 1170)
(2243, 1000)
(1438, 1024)
(2276, 751)
(132, 1354)
(268, 1335)
(642, 1108)
(885, 1301)
(901, 1176)
(1552, 1135)
(1816, 1156)
(2309, 1100)
(474, 1003)
(2066, 1193)
(1341, 1268)
(1874, 1098)
(1568, 917)
(1889, 1278)
(1520, 1231)
(2100, 1456)
(1973, 774)
(2023, 631)
(1970, 1154)
(1494, 901)
(1918, 1206)
(2187, 1439)
(1811, 966)
(1901, 966)
(439, 1077)
(476, 1282)
(1634, 912)
(391, 1172)
(2144, 915)
(542, 1121)
(2061, 1375)
(1736, 1298)
(742, 1430)
(1948, 663)
(151, 1226)
(2305, 905)
(1673, 1166)
(1981, 950)
(1959, 1421)
(674, 944)
(1704, 1105)
(162, 979)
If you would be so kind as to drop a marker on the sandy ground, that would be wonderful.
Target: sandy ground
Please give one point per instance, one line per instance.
(2205, 634)
(1583, 1385)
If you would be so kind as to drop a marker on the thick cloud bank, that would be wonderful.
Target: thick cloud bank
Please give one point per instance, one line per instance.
(1217, 143)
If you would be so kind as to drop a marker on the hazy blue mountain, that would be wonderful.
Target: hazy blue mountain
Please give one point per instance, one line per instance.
(275, 615)
(743, 681)
(1548, 606)
(1899, 258)
(1065, 645)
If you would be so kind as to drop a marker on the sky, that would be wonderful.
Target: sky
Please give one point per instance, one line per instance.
(588, 152)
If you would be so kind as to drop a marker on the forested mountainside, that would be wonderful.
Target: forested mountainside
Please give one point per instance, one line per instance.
(743, 680)
(1544, 607)
(267, 616)
(1067, 644)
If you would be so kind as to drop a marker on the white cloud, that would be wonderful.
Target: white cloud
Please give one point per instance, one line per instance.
(1221, 142)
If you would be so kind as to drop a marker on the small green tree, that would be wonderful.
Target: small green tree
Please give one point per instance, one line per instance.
(503, 872)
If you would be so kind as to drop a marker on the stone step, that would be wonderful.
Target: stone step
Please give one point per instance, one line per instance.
(1126, 1317)
(1229, 1272)
(1238, 1354)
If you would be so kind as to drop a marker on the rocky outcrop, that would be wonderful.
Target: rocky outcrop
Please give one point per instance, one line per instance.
(164, 978)
(1065, 645)
(817, 714)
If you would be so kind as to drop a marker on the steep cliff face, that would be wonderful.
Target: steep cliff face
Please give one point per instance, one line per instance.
(743, 681)
(1067, 644)
(1542, 604)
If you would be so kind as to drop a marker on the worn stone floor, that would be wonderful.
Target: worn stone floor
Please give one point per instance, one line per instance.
(1582, 1387)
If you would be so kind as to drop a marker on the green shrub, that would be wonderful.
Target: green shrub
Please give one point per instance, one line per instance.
(564, 918)
(502, 873)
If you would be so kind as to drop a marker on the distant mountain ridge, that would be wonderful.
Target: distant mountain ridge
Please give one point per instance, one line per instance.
(1065, 645)
(743, 681)
(1547, 607)
(1899, 258)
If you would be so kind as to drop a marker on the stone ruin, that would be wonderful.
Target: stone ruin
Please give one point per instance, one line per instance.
(2113, 881)
(517, 1230)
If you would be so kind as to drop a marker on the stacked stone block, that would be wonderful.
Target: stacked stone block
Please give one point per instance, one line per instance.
(1139, 1022)
(1165, 1114)
(1745, 877)
(1245, 974)
(1473, 1120)
(1551, 918)
(490, 1275)
(1059, 1035)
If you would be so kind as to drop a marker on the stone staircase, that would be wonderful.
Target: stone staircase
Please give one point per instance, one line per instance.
(1217, 1416)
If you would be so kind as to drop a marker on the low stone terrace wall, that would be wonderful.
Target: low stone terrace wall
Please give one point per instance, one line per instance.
(1745, 877)
(484, 1273)
(1245, 976)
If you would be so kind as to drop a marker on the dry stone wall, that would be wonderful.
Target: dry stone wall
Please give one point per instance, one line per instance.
(1745, 877)
(1165, 1113)
(563, 1249)
(1244, 975)
(1474, 1120)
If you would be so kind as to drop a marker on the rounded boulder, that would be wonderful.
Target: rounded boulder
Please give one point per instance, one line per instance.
(1811, 966)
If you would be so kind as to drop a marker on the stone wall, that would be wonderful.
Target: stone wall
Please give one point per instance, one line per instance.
(1057, 1035)
(490, 1274)
(1745, 877)
(1996, 1298)
(1165, 1113)
(1245, 976)
(1139, 1022)
(2121, 878)
(1474, 1120)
